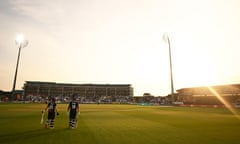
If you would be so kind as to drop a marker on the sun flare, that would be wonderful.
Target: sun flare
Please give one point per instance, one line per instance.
(194, 68)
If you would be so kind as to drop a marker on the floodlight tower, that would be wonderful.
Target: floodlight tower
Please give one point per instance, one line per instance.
(167, 40)
(21, 43)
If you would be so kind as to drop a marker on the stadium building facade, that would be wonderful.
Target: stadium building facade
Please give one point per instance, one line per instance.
(210, 95)
(40, 91)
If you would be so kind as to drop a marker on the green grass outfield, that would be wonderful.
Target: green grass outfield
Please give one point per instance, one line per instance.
(120, 124)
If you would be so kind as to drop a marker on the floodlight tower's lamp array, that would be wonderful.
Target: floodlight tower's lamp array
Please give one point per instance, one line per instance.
(21, 43)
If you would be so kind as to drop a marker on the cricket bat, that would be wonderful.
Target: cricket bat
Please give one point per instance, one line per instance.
(41, 122)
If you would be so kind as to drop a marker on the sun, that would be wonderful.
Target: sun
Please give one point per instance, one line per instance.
(194, 69)
(202, 75)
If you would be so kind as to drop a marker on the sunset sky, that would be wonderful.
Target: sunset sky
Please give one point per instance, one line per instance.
(120, 42)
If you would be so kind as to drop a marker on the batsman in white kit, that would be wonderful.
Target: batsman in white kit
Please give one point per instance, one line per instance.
(74, 111)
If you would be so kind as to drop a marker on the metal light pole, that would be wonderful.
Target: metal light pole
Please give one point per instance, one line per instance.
(21, 42)
(167, 40)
